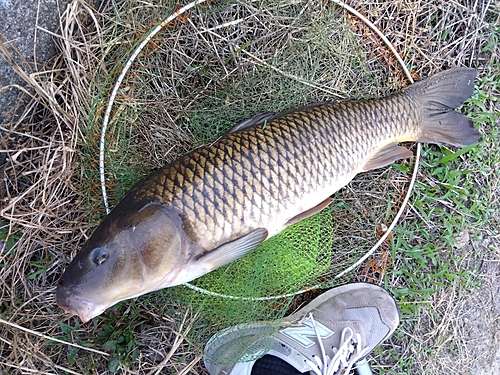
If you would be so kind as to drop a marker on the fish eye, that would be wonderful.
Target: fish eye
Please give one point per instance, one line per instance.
(99, 255)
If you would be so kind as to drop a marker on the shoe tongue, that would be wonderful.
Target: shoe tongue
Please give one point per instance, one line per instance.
(297, 343)
(303, 335)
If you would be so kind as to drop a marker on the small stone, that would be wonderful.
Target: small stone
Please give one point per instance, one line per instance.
(462, 239)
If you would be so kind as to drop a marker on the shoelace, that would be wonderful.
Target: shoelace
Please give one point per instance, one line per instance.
(348, 353)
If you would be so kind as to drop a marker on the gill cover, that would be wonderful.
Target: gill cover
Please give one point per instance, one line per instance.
(131, 253)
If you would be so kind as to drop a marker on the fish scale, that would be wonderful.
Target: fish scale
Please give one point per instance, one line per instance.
(255, 170)
(218, 202)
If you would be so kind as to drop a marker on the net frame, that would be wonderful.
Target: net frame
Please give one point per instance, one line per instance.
(109, 107)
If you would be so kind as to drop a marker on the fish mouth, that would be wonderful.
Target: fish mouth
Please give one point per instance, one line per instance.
(76, 305)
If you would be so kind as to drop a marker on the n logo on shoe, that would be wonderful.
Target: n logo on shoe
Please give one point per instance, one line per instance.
(302, 333)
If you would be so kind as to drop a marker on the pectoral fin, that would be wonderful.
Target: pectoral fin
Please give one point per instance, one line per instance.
(259, 118)
(233, 250)
(387, 155)
(309, 212)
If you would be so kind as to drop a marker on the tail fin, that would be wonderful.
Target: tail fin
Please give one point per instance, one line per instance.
(439, 96)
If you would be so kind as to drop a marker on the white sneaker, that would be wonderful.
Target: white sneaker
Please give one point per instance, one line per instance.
(327, 336)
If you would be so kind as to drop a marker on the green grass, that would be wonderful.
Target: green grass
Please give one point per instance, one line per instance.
(8, 239)
(110, 334)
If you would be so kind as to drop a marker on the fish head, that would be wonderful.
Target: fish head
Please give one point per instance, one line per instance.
(132, 252)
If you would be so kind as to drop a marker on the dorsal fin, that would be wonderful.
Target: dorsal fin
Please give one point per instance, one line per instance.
(259, 118)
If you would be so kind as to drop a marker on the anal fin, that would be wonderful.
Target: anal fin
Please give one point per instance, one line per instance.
(310, 212)
(387, 155)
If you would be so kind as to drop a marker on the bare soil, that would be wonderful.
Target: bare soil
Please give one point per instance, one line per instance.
(463, 326)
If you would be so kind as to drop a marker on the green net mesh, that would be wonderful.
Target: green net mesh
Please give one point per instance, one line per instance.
(259, 286)
(198, 78)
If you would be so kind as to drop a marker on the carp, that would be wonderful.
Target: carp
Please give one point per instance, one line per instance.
(218, 202)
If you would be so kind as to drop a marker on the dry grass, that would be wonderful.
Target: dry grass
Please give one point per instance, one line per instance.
(206, 69)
